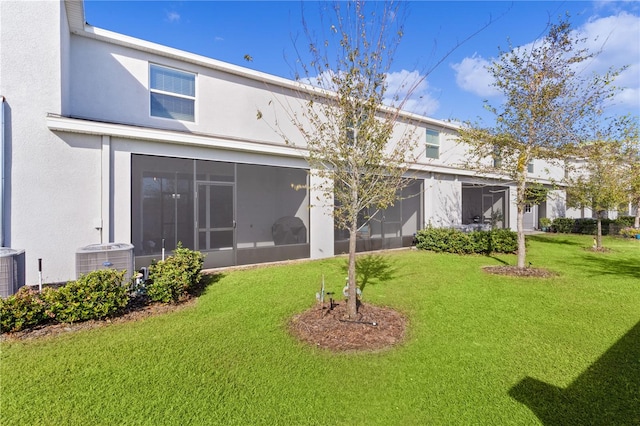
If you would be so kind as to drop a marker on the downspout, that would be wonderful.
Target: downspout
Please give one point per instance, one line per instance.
(2, 183)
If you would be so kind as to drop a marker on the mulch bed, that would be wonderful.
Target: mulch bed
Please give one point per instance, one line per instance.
(331, 329)
(514, 271)
(598, 249)
(324, 328)
(136, 310)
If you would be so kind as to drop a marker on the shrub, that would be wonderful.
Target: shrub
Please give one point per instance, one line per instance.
(544, 222)
(629, 232)
(176, 276)
(625, 221)
(441, 240)
(563, 225)
(96, 295)
(589, 226)
(22, 310)
(480, 242)
(503, 241)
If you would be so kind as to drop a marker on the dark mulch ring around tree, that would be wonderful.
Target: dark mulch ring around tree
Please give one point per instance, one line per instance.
(598, 249)
(375, 328)
(514, 271)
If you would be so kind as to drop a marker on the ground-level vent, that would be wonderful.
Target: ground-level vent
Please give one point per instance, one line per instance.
(12, 270)
(93, 257)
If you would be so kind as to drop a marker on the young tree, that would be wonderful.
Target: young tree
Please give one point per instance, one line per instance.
(631, 154)
(547, 101)
(353, 151)
(598, 184)
(357, 140)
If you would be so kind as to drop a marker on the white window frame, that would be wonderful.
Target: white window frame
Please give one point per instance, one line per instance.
(430, 144)
(497, 158)
(173, 94)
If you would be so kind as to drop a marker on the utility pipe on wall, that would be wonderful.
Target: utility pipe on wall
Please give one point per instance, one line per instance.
(2, 125)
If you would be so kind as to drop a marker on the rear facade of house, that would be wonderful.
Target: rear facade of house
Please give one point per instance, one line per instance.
(111, 139)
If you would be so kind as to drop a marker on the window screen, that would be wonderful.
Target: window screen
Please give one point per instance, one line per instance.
(172, 93)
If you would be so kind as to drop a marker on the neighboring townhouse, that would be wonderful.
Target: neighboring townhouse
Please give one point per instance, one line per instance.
(111, 139)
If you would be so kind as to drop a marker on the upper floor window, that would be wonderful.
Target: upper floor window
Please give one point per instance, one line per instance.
(433, 144)
(172, 93)
(497, 159)
(530, 166)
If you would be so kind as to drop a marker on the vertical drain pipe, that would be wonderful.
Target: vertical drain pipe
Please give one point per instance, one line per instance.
(2, 125)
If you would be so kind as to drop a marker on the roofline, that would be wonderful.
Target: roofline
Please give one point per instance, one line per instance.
(75, 15)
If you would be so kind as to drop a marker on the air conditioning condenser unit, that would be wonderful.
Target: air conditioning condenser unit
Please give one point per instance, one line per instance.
(117, 256)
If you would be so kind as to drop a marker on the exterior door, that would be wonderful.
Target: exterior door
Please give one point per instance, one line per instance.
(530, 217)
(216, 224)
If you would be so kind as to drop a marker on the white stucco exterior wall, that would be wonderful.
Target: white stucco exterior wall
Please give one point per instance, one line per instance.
(556, 204)
(513, 211)
(443, 200)
(111, 82)
(46, 216)
(321, 217)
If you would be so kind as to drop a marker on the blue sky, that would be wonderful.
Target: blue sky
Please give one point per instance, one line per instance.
(265, 30)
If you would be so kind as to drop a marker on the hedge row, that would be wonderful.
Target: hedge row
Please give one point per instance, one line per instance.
(100, 294)
(477, 242)
(567, 225)
(96, 295)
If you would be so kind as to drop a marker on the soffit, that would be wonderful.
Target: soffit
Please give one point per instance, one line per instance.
(75, 15)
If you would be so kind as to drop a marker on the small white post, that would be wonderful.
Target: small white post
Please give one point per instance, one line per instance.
(40, 275)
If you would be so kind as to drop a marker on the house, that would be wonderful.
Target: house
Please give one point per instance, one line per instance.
(112, 139)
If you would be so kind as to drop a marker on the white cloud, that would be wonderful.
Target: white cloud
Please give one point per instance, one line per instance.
(616, 38)
(406, 89)
(613, 38)
(472, 76)
(173, 16)
(411, 88)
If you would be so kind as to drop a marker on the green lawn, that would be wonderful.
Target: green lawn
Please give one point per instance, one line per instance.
(481, 349)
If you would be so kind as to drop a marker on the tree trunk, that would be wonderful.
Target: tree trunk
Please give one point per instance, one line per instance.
(599, 232)
(636, 223)
(522, 250)
(521, 199)
(352, 303)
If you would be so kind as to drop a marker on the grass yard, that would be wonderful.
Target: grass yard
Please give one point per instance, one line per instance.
(481, 349)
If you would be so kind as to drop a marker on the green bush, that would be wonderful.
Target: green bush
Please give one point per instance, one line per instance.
(589, 226)
(477, 242)
(544, 222)
(625, 221)
(96, 295)
(629, 232)
(502, 241)
(176, 276)
(564, 225)
(442, 240)
(22, 310)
